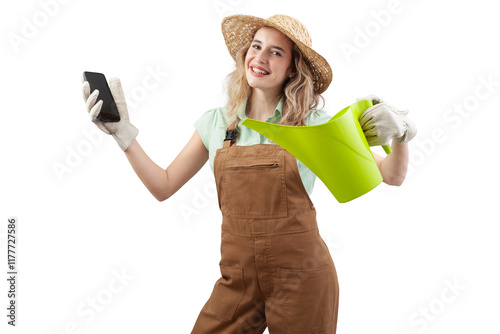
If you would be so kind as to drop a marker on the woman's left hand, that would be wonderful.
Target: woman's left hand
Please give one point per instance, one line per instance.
(384, 122)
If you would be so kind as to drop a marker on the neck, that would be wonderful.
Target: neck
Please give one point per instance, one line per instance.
(262, 104)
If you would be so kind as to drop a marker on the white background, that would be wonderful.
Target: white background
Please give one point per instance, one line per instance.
(396, 249)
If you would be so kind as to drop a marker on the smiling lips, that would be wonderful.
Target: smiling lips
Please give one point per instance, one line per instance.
(259, 70)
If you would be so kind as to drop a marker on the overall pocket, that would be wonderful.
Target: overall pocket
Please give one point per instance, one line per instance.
(255, 189)
(309, 298)
(228, 292)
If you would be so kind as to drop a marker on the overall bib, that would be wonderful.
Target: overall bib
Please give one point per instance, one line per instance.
(276, 270)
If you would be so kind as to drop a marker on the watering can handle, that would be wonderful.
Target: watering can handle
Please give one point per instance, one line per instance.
(359, 108)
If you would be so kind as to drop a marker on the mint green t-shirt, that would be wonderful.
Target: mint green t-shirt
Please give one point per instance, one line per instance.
(211, 128)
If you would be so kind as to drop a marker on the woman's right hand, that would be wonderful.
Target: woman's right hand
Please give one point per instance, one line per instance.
(123, 131)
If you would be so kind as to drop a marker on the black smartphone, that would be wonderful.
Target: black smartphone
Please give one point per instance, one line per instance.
(109, 111)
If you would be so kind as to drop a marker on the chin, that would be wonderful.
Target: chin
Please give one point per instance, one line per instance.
(252, 84)
(258, 86)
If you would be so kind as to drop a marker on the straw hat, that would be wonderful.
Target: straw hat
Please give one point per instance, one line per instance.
(239, 29)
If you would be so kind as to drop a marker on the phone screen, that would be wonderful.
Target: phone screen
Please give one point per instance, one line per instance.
(109, 111)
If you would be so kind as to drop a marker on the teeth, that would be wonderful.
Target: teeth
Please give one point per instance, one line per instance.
(258, 71)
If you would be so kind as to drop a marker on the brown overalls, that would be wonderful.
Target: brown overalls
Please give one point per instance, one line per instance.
(277, 271)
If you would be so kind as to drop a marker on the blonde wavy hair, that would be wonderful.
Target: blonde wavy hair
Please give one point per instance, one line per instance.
(300, 95)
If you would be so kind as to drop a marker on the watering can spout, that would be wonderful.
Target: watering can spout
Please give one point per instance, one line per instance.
(336, 151)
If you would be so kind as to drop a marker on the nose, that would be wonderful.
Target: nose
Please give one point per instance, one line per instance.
(262, 57)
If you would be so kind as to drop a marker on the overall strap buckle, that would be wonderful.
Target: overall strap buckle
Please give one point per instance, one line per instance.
(230, 135)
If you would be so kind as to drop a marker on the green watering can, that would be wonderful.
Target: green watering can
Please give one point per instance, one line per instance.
(336, 151)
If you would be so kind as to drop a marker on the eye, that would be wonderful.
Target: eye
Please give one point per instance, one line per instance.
(258, 47)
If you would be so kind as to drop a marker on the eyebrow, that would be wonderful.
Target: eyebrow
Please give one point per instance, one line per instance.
(274, 46)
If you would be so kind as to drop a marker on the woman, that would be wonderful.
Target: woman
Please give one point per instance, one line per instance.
(277, 271)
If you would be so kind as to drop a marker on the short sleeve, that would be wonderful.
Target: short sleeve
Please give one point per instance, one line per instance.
(205, 126)
(317, 117)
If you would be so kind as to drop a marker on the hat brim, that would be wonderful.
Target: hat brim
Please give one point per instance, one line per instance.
(239, 29)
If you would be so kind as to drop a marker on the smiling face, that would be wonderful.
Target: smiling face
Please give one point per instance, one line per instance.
(268, 60)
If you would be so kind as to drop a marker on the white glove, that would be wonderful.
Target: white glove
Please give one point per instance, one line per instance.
(384, 122)
(123, 131)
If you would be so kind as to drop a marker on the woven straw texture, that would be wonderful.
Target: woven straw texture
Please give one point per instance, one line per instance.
(238, 29)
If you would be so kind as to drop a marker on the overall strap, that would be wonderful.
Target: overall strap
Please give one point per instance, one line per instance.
(231, 136)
